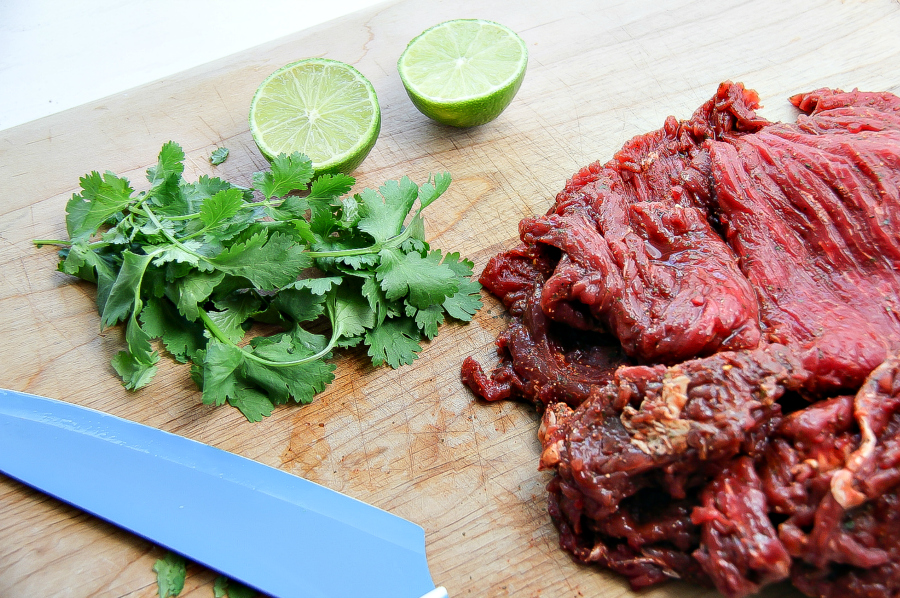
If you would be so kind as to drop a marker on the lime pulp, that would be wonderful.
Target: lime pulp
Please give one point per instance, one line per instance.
(463, 72)
(323, 108)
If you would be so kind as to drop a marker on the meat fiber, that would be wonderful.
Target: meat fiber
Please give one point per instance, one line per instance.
(710, 323)
(812, 210)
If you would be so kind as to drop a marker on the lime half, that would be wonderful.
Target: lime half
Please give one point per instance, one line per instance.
(323, 108)
(463, 72)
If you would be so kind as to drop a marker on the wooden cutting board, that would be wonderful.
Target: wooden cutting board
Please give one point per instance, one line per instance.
(413, 441)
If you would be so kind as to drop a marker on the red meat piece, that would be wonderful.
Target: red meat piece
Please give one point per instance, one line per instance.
(674, 302)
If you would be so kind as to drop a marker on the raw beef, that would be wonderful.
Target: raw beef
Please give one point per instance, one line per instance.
(707, 481)
(710, 323)
(658, 434)
(812, 210)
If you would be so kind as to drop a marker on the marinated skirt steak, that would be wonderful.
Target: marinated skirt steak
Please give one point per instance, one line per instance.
(710, 323)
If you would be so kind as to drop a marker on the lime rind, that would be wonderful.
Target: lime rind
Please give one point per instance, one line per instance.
(323, 108)
(463, 72)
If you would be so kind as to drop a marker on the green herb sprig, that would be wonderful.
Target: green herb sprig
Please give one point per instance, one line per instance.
(196, 264)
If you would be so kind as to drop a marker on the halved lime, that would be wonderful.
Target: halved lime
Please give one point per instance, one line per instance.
(463, 72)
(323, 108)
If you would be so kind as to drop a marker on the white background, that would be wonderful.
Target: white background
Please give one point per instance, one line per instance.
(57, 54)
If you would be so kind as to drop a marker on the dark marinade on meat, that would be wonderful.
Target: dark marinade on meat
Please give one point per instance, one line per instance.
(710, 324)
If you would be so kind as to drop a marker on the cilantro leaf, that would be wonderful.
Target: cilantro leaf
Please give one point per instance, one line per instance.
(269, 263)
(219, 362)
(300, 381)
(169, 163)
(236, 590)
(191, 290)
(317, 286)
(137, 365)
(134, 372)
(183, 253)
(434, 188)
(291, 209)
(252, 403)
(350, 312)
(289, 173)
(299, 304)
(97, 267)
(102, 196)
(383, 214)
(170, 198)
(425, 280)
(349, 213)
(233, 311)
(329, 186)
(181, 337)
(467, 301)
(460, 266)
(215, 210)
(395, 342)
(125, 289)
(345, 248)
(228, 588)
(427, 319)
(219, 155)
(170, 573)
(192, 195)
(378, 301)
(416, 237)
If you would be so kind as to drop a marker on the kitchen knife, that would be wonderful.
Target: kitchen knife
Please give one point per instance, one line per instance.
(275, 532)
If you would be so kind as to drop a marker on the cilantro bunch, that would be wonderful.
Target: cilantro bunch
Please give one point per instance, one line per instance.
(196, 264)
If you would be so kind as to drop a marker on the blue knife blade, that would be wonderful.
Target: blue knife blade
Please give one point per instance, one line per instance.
(273, 531)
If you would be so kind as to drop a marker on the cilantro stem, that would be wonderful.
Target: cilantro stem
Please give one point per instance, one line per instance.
(266, 203)
(347, 252)
(168, 235)
(248, 353)
(202, 231)
(144, 209)
(375, 248)
(213, 327)
(42, 242)
(394, 241)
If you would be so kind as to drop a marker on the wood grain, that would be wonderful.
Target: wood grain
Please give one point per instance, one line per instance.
(412, 441)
